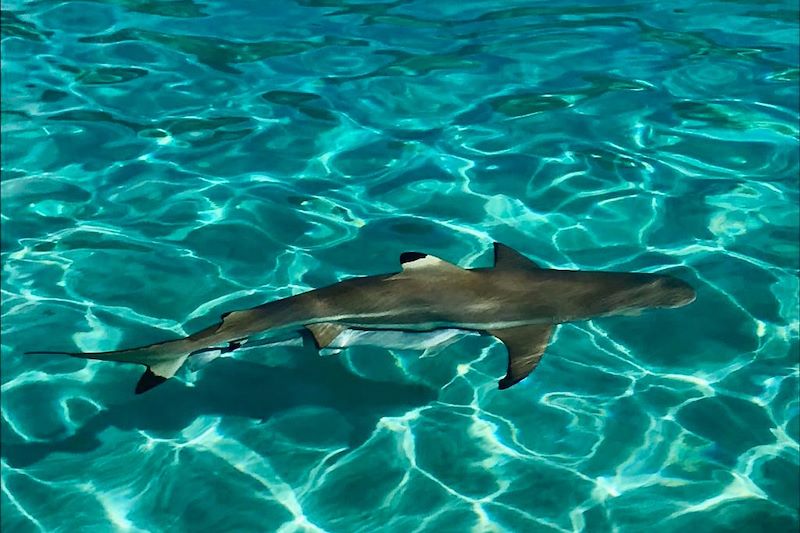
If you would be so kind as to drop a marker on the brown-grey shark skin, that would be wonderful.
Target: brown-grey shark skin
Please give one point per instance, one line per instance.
(515, 300)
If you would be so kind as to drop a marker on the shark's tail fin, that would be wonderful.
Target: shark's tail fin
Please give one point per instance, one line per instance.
(162, 360)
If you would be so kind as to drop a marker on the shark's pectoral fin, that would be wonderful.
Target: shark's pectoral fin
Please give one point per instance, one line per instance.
(525, 345)
(325, 333)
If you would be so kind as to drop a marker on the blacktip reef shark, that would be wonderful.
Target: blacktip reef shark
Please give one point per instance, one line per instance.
(515, 301)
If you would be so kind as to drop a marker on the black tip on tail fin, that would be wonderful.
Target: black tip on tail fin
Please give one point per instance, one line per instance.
(148, 381)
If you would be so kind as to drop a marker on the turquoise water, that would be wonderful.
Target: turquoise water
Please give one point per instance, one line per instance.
(164, 162)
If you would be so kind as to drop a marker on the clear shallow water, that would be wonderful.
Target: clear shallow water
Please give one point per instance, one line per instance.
(165, 162)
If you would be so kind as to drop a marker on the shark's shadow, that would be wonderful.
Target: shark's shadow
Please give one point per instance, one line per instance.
(230, 387)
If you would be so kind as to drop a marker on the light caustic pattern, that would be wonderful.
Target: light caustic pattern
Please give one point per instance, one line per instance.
(166, 162)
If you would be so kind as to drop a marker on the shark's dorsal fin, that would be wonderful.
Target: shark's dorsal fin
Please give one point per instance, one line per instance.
(525, 345)
(507, 258)
(416, 260)
(324, 333)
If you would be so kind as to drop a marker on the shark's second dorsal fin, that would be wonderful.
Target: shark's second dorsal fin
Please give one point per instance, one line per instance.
(507, 258)
(416, 260)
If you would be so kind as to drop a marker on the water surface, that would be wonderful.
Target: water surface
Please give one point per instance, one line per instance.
(164, 162)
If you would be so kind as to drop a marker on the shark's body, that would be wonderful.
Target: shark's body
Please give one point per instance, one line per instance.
(515, 301)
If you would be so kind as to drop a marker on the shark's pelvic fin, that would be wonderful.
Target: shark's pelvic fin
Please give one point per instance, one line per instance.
(201, 358)
(325, 333)
(507, 258)
(525, 345)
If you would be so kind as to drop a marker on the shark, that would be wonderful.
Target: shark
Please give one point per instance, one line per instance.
(515, 300)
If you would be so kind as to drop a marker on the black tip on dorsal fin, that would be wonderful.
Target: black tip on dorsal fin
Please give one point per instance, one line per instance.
(408, 257)
(148, 381)
(417, 260)
(506, 257)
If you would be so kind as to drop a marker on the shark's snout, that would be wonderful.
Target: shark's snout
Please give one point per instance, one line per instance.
(674, 292)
